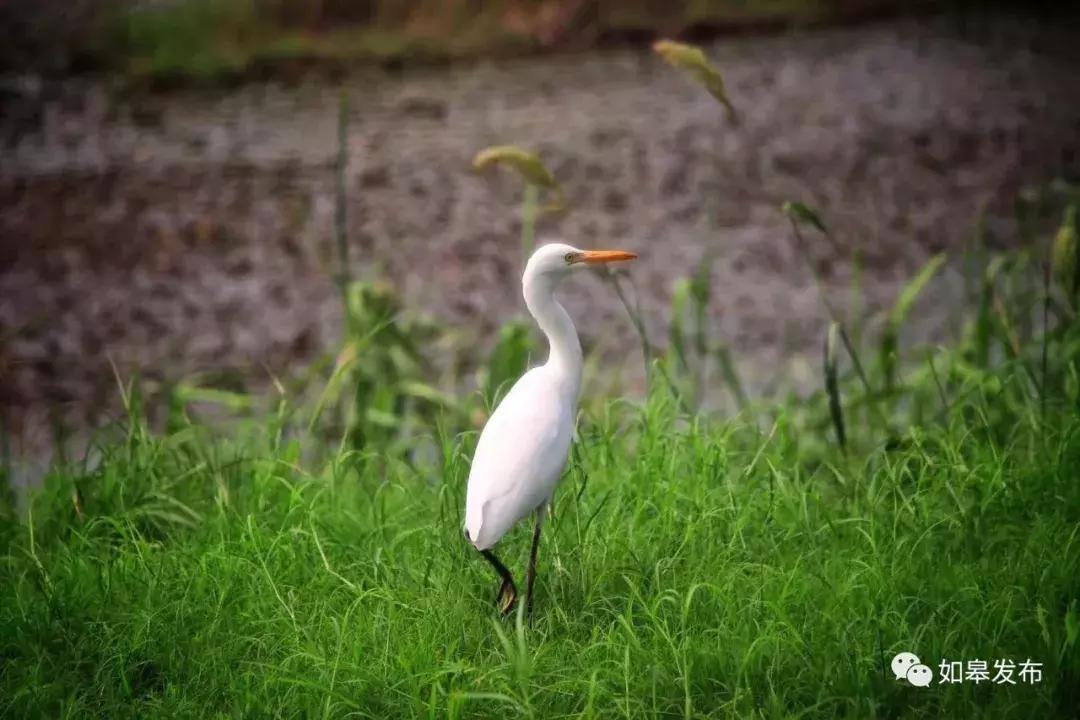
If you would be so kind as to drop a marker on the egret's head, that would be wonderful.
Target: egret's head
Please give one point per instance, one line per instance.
(557, 259)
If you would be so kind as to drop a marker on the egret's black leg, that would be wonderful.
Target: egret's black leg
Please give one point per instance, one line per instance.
(531, 576)
(508, 593)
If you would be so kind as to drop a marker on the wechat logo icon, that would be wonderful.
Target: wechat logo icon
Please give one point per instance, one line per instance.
(906, 666)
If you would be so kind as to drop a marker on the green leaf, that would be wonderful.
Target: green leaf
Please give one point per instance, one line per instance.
(911, 292)
(235, 402)
(800, 212)
(423, 391)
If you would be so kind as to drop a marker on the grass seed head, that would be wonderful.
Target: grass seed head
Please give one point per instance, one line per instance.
(692, 59)
(527, 164)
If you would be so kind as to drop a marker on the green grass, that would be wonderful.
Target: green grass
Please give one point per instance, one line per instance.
(694, 569)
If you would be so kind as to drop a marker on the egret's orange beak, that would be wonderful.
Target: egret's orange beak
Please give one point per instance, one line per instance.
(596, 257)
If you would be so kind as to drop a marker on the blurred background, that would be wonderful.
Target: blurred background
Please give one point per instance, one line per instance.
(171, 173)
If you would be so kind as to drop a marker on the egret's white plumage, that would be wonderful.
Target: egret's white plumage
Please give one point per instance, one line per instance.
(524, 446)
(519, 459)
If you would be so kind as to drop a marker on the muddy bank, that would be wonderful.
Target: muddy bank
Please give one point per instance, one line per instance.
(191, 233)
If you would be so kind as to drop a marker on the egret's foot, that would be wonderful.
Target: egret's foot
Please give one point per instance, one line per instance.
(508, 593)
(507, 597)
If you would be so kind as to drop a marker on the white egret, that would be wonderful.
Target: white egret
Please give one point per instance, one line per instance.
(523, 448)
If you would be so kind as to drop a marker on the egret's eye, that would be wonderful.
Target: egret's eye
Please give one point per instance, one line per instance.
(569, 257)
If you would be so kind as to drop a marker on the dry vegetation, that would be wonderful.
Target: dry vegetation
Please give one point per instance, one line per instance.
(215, 40)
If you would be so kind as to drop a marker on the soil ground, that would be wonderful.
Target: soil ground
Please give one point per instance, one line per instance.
(192, 232)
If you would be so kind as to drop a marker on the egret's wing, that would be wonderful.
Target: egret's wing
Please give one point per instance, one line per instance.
(519, 458)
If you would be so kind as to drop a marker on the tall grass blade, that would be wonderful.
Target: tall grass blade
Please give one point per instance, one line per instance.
(1066, 259)
(900, 310)
(343, 275)
(984, 317)
(1045, 339)
(731, 376)
(680, 297)
(701, 293)
(904, 302)
(636, 318)
(832, 384)
(945, 404)
(528, 222)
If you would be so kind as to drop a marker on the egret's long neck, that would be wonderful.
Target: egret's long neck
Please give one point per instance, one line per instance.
(564, 357)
